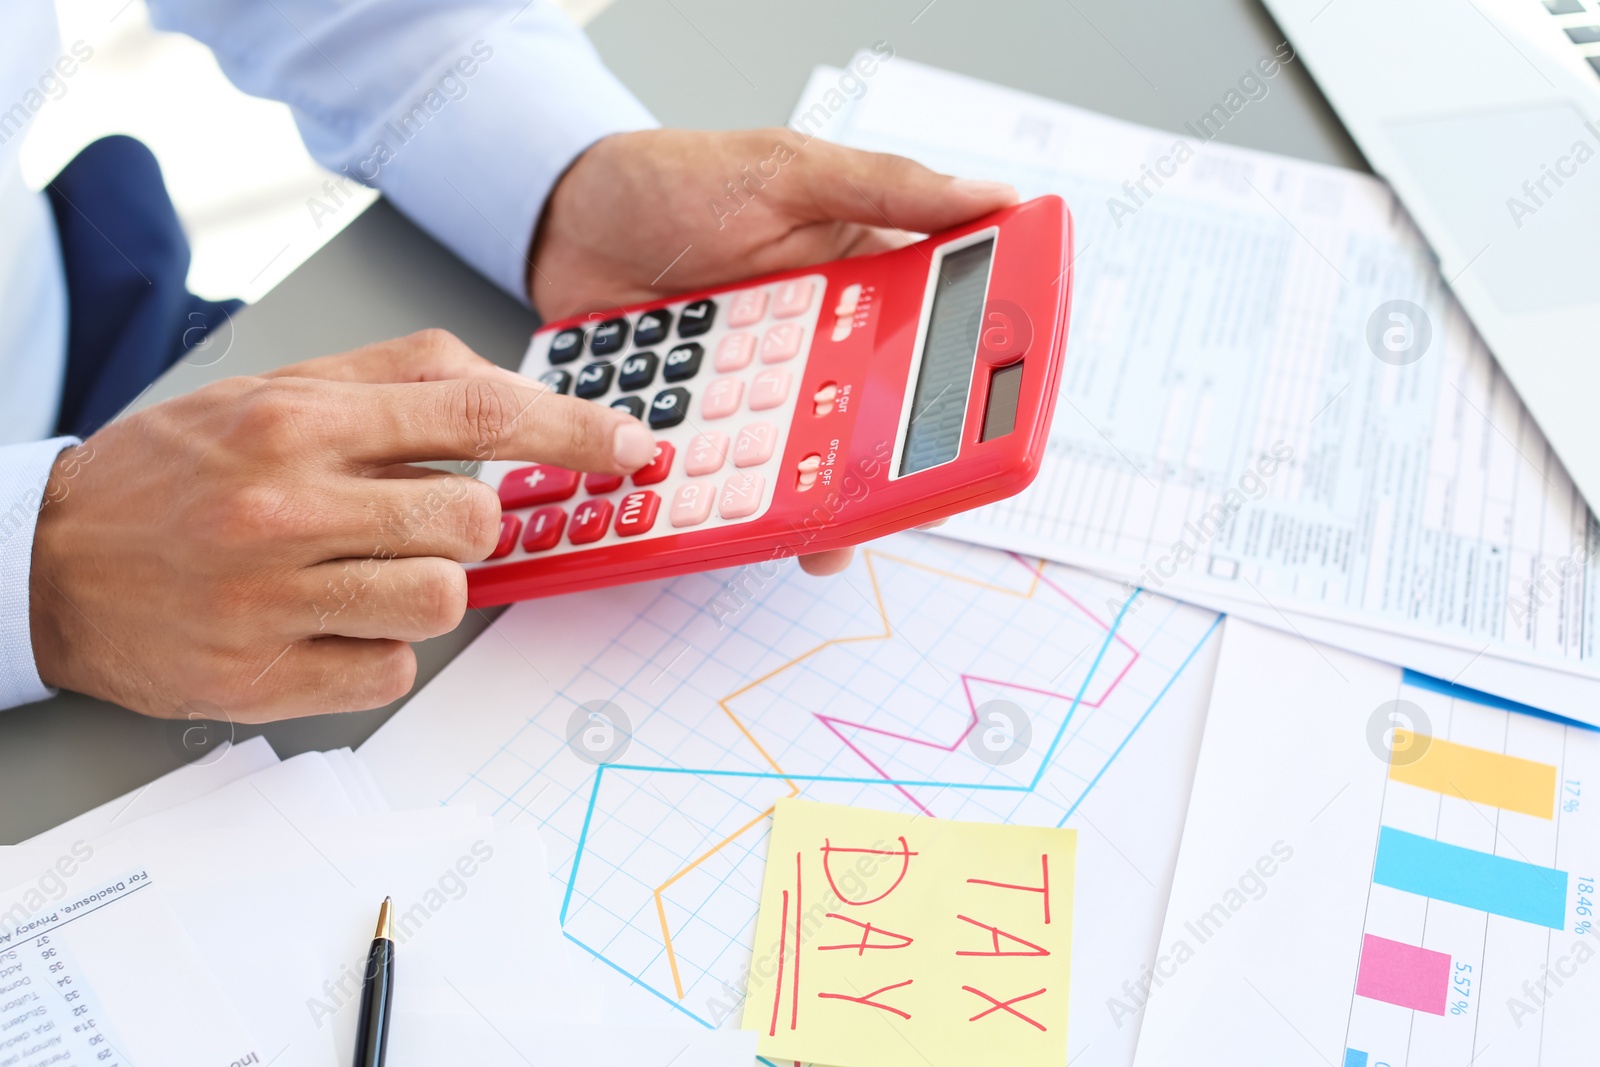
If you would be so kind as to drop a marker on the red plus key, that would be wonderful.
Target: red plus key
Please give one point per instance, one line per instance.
(510, 527)
(544, 529)
(656, 470)
(637, 513)
(538, 484)
(589, 521)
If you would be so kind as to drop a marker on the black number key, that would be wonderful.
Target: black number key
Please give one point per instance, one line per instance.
(668, 408)
(609, 337)
(638, 371)
(633, 405)
(653, 327)
(559, 380)
(696, 318)
(593, 381)
(565, 346)
(683, 362)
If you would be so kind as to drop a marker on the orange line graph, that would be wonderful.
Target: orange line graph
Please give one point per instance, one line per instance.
(868, 556)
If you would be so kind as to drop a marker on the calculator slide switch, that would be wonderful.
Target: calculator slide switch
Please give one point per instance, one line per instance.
(636, 513)
(822, 400)
(848, 300)
(589, 521)
(544, 529)
(806, 472)
(538, 484)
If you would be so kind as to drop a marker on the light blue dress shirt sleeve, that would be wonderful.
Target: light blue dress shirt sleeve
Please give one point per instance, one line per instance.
(463, 112)
(24, 472)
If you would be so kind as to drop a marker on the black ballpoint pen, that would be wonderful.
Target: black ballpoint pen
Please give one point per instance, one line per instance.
(372, 1037)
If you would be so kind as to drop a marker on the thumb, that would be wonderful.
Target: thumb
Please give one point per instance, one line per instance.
(877, 189)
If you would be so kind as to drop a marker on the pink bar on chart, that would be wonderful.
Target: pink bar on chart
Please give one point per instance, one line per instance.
(1403, 975)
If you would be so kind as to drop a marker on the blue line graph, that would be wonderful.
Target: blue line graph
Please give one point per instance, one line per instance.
(661, 883)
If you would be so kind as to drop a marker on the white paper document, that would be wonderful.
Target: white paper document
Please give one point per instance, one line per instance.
(1377, 869)
(1271, 403)
(649, 729)
(108, 977)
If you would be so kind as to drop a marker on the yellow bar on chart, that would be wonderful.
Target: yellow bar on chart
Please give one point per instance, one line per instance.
(1507, 782)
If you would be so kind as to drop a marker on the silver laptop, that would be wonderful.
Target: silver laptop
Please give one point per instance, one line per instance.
(1485, 117)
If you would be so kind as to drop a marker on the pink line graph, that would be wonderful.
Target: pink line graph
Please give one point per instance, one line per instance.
(833, 723)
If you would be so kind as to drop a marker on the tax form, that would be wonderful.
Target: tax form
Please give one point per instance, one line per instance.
(107, 977)
(1272, 404)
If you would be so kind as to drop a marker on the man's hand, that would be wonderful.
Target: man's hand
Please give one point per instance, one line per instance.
(265, 545)
(643, 215)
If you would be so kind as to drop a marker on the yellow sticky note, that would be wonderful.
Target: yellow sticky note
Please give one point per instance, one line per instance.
(889, 939)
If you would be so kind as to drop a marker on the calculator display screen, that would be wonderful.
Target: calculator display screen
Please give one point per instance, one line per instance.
(949, 350)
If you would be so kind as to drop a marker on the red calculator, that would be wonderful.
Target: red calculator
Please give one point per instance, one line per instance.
(811, 409)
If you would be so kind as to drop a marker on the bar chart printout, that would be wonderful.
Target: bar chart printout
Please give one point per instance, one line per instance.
(1472, 924)
(1439, 905)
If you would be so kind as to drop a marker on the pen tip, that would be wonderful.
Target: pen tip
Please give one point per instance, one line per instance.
(386, 921)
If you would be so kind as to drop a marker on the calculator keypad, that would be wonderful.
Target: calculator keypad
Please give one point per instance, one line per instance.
(715, 381)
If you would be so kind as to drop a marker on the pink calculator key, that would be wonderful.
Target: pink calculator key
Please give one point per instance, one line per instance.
(734, 351)
(747, 308)
(769, 389)
(793, 299)
(782, 342)
(692, 504)
(705, 454)
(754, 444)
(722, 398)
(740, 496)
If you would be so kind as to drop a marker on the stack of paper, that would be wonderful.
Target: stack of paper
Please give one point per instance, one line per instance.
(1272, 404)
(224, 912)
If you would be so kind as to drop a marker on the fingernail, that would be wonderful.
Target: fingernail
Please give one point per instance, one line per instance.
(632, 446)
(983, 189)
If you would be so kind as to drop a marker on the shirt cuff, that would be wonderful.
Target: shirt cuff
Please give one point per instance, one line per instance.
(24, 473)
(476, 173)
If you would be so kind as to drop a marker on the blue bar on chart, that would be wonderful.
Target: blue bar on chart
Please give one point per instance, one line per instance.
(1495, 884)
(1352, 1058)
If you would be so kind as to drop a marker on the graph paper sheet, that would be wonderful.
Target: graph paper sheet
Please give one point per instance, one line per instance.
(1226, 431)
(1378, 869)
(739, 688)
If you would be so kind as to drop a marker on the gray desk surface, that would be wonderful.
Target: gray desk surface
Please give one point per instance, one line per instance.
(699, 63)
